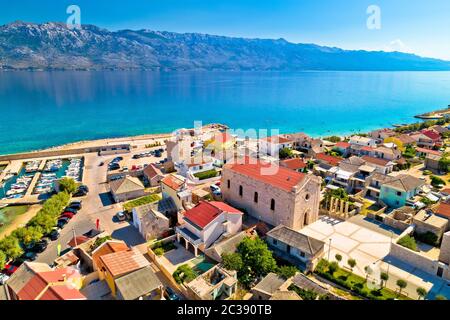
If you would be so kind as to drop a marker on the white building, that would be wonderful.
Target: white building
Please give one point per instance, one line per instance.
(272, 145)
(363, 141)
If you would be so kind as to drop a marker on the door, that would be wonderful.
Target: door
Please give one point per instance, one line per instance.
(440, 272)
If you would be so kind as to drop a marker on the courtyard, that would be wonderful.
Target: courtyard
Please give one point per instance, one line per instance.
(369, 244)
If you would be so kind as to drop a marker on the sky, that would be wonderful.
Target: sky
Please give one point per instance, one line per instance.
(416, 26)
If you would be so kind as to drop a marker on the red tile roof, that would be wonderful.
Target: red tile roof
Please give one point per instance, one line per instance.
(431, 134)
(50, 285)
(343, 145)
(294, 164)
(121, 263)
(443, 210)
(428, 151)
(173, 182)
(367, 148)
(282, 178)
(205, 212)
(334, 161)
(377, 161)
(277, 139)
(77, 241)
(151, 171)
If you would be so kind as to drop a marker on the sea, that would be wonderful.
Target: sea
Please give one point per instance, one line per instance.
(45, 109)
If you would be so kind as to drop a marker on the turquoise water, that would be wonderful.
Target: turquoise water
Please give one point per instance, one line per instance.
(44, 109)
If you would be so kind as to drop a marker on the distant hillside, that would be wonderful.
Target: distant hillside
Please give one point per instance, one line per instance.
(52, 46)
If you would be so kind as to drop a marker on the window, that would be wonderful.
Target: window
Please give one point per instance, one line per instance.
(241, 191)
(272, 204)
(302, 254)
(399, 194)
(275, 242)
(256, 197)
(229, 184)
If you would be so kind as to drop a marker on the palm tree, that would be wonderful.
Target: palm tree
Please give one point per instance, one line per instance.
(384, 278)
(401, 284)
(351, 263)
(422, 293)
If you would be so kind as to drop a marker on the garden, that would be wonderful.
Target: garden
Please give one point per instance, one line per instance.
(140, 202)
(206, 174)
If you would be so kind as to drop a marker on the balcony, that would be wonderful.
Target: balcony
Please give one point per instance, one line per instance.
(189, 236)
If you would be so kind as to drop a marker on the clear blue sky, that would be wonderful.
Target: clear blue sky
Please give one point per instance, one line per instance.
(418, 26)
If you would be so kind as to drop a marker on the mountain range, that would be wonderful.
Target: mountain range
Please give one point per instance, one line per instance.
(53, 46)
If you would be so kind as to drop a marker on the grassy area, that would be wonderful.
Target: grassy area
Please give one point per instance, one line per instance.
(141, 201)
(8, 214)
(206, 174)
(160, 248)
(356, 283)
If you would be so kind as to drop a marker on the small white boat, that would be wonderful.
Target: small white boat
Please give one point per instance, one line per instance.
(8, 177)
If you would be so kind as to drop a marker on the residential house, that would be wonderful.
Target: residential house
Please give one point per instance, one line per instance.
(398, 191)
(37, 281)
(215, 284)
(442, 210)
(382, 134)
(208, 222)
(388, 152)
(189, 170)
(153, 175)
(440, 129)
(125, 189)
(381, 165)
(272, 194)
(154, 220)
(172, 186)
(423, 141)
(115, 265)
(373, 187)
(272, 145)
(298, 248)
(434, 136)
(270, 286)
(142, 284)
(226, 245)
(295, 164)
(110, 246)
(332, 161)
(406, 140)
(363, 141)
(425, 221)
(432, 162)
(343, 147)
(423, 152)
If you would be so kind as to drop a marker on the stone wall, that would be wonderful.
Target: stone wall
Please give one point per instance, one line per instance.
(293, 208)
(445, 249)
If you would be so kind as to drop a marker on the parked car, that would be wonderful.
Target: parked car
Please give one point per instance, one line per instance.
(171, 295)
(117, 159)
(3, 278)
(62, 222)
(68, 215)
(121, 216)
(216, 190)
(28, 256)
(113, 166)
(80, 193)
(71, 210)
(54, 235)
(137, 156)
(40, 246)
(9, 269)
(75, 205)
(84, 187)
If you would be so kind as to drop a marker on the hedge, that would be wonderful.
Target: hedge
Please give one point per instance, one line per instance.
(206, 174)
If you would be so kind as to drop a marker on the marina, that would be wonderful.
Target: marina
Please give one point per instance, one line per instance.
(15, 186)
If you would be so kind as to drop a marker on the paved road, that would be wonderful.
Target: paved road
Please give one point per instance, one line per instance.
(94, 208)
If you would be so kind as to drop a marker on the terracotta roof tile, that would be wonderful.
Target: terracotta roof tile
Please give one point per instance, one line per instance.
(377, 161)
(173, 182)
(443, 209)
(294, 164)
(343, 145)
(205, 212)
(284, 178)
(121, 263)
(334, 161)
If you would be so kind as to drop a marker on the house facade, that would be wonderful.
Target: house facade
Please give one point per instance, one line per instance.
(399, 190)
(208, 222)
(272, 145)
(272, 194)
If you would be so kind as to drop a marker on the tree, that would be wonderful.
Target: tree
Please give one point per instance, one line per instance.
(11, 247)
(44, 221)
(422, 293)
(184, 274)
(2, 260)
(232, 261)
(338, 257)
(351, 263)
(437, 182)
(444, 163)
(401, 284)
(333, 267)
(257, 259)
(28, 235)
(68, 185)
(384, 278)
(287, 272)
(440, 297)
(286, 153)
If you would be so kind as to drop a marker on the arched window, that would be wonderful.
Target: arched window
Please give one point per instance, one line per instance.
(256, 197)
(272, 204)
(241, 191)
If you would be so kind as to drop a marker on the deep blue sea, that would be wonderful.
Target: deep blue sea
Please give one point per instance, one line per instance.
(44, 109)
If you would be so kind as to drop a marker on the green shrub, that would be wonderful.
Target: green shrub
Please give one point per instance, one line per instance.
(437, 182)
(304, 294)
(184, 274)
(140, 202)
(159, 252)
(206, 174)
(429, 238)
(408, 242)
(287, 272)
